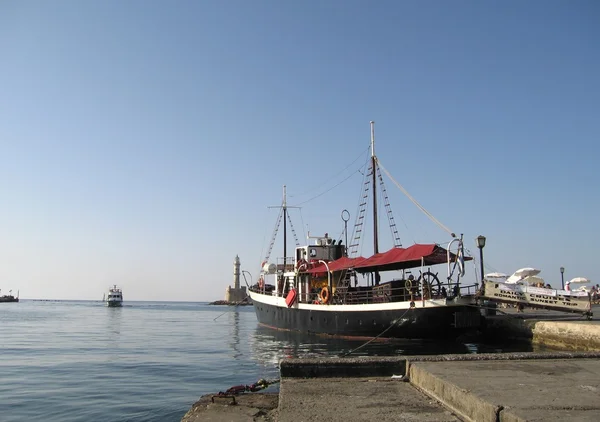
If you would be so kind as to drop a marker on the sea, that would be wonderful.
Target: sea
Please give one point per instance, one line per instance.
(150, 361)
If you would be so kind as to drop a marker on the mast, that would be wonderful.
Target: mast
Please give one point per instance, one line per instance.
(374, 183)
(283, 206)
(284, 228)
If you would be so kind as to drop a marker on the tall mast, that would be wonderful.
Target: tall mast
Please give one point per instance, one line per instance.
(374, 183)
(284, 227)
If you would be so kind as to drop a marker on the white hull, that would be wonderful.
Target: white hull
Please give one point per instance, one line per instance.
(115, 297)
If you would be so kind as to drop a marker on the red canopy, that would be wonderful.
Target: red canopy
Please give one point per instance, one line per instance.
(394, 259)
(338, 265)
(400, 258)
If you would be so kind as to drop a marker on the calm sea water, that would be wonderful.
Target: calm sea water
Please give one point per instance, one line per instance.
(149, 361)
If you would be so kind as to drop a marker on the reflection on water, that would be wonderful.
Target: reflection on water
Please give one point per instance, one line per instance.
(115, 315)
(234, 342)
(269, 346)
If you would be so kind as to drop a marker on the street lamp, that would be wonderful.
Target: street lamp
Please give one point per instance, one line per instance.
(480, 244)
(562, 277)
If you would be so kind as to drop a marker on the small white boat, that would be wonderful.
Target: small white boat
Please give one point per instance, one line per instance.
(115, 297)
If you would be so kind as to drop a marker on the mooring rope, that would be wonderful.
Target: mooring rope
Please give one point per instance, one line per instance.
(261, 384)
(236, 305)
(394, 322)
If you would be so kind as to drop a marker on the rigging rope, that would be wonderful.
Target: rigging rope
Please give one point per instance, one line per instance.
(332, 177)
(414, 201)
(331, 188)
(394, 322)
(355, 246)
(274, 234)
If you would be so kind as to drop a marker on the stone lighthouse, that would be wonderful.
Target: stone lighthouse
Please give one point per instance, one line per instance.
(235, 293)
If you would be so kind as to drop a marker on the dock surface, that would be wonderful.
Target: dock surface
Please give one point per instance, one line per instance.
(498, 387)
(514, 390)
(482, 388)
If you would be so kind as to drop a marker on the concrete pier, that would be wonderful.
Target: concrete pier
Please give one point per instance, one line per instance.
(480, 388)
(502, 387)
(549, 328)
(513, 390)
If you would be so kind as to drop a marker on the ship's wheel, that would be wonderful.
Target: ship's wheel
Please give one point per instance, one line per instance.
(432, 282)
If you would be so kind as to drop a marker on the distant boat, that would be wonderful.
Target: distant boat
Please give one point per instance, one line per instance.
(115, 297)
(9, 297)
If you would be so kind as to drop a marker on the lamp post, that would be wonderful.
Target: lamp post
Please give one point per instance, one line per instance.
(480, 244)
(562, 277)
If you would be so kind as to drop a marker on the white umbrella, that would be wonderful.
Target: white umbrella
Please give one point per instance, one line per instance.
(521, 273)
(580, 280)
(526, 272)
(496, 275)
(513, 279)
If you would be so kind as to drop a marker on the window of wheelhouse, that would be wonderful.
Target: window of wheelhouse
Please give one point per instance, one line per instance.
(300, 254)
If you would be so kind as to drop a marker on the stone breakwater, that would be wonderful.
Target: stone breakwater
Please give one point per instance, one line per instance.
(225, 302)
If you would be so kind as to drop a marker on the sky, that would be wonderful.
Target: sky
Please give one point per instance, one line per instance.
(143, 142)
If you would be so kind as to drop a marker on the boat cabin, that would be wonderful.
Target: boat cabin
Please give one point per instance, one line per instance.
(115, 295)
(324, 249)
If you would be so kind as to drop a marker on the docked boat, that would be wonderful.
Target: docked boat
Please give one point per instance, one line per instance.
(9, 297)
(115, 297)
(325, 287)
(525, 289)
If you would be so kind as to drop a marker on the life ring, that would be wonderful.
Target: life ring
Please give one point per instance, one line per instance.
(408, 284)
(324, 295)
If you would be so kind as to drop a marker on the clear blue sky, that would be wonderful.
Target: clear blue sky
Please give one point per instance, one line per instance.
(142, 141)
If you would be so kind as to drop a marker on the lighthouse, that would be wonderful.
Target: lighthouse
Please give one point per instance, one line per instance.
(236, 272)
(236, 293)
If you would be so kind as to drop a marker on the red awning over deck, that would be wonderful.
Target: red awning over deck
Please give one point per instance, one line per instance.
(401, 258)
(394, 259)
(343, 263)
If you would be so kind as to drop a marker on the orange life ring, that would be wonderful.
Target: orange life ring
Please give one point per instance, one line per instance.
(324, 295)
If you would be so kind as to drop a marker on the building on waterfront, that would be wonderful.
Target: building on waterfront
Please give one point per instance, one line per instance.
(236, 293)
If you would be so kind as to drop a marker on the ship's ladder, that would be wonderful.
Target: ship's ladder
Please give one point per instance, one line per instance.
(388, 209)
(363, 206)
(293, 230)
(274, 236)
(360, 217)
(276, 230)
